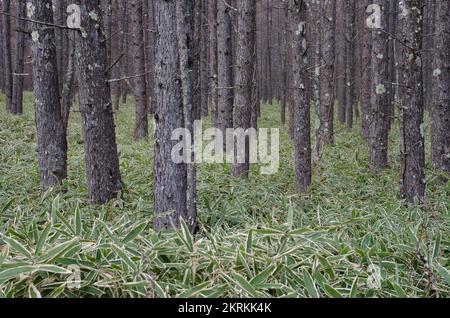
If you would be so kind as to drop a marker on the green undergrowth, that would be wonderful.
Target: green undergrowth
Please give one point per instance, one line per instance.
(258, 238)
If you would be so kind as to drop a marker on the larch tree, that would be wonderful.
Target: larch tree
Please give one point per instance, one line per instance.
(350, 60)
(185, 31)
(325, 131)
(19, 65)
(302, 130)
(7, 55)
(378, 107)
(204, 66)
(212, 18)
(225, 67)
(412, 170)
(340, 78)
(140, 84)
(51, 136)
(101, 157)
(366, 60)
(244, 77)
(169, 187)
(440, 102)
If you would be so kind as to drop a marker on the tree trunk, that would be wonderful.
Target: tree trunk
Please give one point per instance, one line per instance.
(169, 187)
(17, 102)
(351, 60)
(69, 81)
(225, 67)
(366, 60)
(185, 30)
(140, 87)
(325, 132)
(212, 17)
(302, 132)
(244, 76)
(51, 137)
(7, 59)
(440, 106)
(102, 161)
(58, 14)
(340, 60)
(379, 110)
(412, 173)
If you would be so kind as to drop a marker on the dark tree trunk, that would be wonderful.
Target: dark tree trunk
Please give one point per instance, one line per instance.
(440, 105)
(140, 86)
(204, 67)
(185, 30)
(225, 67)
(351, 60)
(379, 110)
(196, 67)
(212, 17)
(302, 132)
(102, 161)
(366, 59)
(244, 76)
(151, 54)
(340, 79)
(325, 132)
(412, 173)
(58, 13)
(69, 81)
(17, 102)
(7, 60)
(51, 137)
(169, 187)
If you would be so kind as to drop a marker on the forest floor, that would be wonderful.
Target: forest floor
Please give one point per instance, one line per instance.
(351, 236)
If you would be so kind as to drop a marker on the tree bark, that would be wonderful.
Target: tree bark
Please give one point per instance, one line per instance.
(7, 59)
(440, 106)
(412, 173)
(366, 60)
(51, 136)
(212, 17)
(140, 86)
(225, 67)
(379, 110)
(102, 161)
(302, 132)
(169, 187)
(244, 76)
(17, 101)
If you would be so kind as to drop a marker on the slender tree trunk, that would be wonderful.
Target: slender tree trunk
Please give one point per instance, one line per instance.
(225, 67)
(366, 53)
(170, 188)
(244, 76)
(151, 54)
(58, 14)
(302, 130)
(69, 81)
(379, 110)
(102, 161)
(2, 60)
(185, 30)
(204, 67)
(412, 173)
(440, 106)
(140, 87)
(285, 48)
(196, 67)
(212, 17)
(325, 132)
(7, 64)
(340, 60)
(350, 52)
(51, 137)
(17, 102)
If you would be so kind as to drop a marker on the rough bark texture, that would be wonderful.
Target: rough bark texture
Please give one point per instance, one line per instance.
(340, 78)
(58, 14)
(204, 67)
(185, 30)
(325, 132)
(169, 187)
(212, 18)
(378, 108)
(69, 81)
(7, 62)
(440, 105)
(17, 101)
(351, 60)
(302, 132)
(225, 67)
(412, 173)
(102, 161)
(366, 54)
(51, 137)
(244, 75)
(140, 85)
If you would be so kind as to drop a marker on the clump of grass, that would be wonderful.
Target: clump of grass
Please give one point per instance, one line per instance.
(258, 237)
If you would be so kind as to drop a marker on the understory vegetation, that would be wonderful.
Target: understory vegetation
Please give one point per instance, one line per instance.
(257, 237)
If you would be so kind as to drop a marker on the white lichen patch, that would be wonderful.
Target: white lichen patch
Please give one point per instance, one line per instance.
(93, 15)
(35, 36)
(437, 72)
(30, 9)
(380, 89)
(380, 56)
